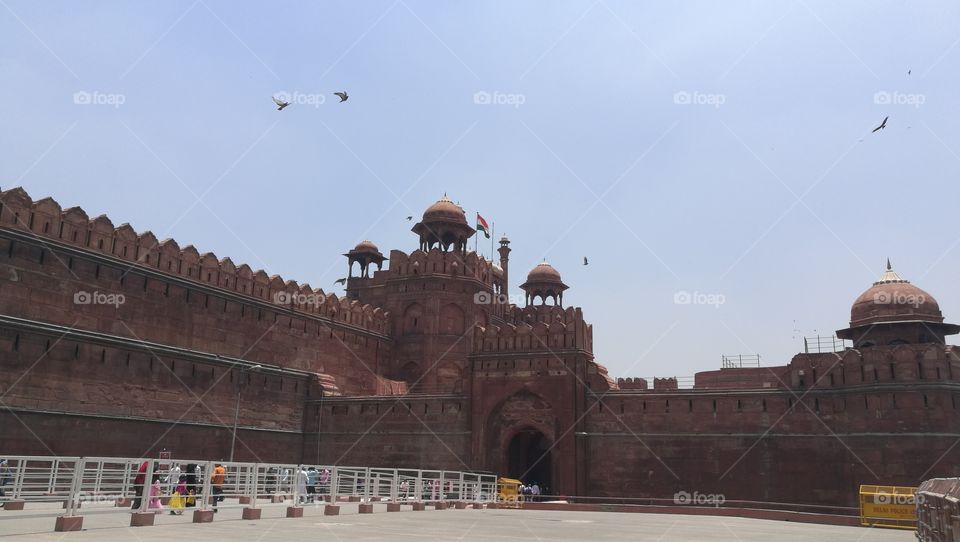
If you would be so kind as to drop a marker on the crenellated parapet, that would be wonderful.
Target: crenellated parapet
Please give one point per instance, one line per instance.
(46, 219)
(632, 383)
(669, 383)
(438, 262)
(536, 328)
(903, 363)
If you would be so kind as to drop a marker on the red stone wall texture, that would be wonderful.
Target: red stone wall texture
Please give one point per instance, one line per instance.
(412, 369)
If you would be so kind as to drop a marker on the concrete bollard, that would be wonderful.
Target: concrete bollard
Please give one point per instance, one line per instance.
(245, 499)
(14, 505)
(439, 505)
(366, 508)
(142, 519)
(374, 499)
(419, 506)
(331, 510)
(492, 506)
(294, 511)
(203, 516)
(461, 505)
(354, 498)
(67, 504)
(251, 513)
(393, 507)
(69, 523)
(478, 506)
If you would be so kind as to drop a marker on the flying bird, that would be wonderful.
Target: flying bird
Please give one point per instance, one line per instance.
(908, 72)
(280, 103)
(882, 124)
(340, 281)
(585, 262)
(342, 95)
(409, 218)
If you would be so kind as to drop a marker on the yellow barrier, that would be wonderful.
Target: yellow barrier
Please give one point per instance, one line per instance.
(888, 506)
(508, 491)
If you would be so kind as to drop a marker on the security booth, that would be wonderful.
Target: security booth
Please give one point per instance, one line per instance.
(888, 506)
(508, 490)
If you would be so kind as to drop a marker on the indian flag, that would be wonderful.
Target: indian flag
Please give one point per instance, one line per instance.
(483, 226)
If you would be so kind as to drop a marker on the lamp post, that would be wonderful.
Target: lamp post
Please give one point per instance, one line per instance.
(236, 411)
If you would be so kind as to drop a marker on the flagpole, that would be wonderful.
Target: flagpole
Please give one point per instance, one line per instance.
(493, 230)
(476, 238)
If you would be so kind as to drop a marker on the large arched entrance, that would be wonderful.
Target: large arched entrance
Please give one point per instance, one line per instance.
(528, 458)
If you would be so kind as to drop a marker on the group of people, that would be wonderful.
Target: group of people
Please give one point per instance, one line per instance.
(309, 480)
(531, 492)
(183, 487)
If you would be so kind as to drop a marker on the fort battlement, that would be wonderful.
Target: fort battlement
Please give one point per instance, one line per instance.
(632, 383)
(47, 220)
(437, 261)
(524, 337)
(913, 363)
(536, 328)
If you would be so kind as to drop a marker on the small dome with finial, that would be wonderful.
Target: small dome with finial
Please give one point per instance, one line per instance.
(892, 298)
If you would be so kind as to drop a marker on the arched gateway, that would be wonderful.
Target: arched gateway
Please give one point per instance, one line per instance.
(528, 458)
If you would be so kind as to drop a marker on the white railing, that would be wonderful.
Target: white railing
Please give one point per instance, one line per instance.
(75, 480)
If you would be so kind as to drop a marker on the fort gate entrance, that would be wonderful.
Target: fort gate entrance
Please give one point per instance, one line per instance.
(528, 458)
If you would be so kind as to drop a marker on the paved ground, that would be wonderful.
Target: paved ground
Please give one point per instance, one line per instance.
(106, 524)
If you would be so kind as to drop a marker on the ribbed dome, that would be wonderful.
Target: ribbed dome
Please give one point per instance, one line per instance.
(894, 299)
(444, 210)
(544, 272)
(366, 246)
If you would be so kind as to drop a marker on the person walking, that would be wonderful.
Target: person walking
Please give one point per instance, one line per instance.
(178, 499)
(325, 481)
(302, 480)
(138, 485)
(191, 484)
(217, 480)
(312, 475)
(155, 503)
(6, 474)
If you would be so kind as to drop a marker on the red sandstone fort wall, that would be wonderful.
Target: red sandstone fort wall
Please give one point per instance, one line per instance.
(64, 396)
(806, 432)
(886, 415)
(413, 432)
(337, 337)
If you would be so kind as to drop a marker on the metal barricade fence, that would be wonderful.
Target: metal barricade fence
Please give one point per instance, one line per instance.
(39, 478)
(141, 482)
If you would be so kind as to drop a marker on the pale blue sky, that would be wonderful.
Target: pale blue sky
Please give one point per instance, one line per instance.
(694, 197)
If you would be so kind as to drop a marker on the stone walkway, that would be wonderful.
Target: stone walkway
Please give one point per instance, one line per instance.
(103, 523)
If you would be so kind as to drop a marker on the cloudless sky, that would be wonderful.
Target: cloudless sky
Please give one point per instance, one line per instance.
(708, 148)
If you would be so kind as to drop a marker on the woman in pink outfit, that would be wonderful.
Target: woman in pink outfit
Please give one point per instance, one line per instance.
(155, 503)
